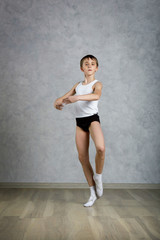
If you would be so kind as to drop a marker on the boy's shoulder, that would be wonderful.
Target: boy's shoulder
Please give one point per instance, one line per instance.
(78, 83)
(98, 83)
(75, 85)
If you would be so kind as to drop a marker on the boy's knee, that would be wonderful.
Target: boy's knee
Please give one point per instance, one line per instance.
(101, 150)
(83, 158)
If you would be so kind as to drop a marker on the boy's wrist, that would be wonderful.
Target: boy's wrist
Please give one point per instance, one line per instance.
(60, 99)
(78, 97)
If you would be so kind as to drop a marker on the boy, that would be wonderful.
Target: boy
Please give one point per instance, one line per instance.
(85, 95)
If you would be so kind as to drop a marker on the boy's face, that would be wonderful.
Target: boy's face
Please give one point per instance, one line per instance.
(89, 66)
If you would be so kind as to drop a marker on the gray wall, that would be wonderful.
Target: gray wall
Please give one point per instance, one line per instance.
(41, 44)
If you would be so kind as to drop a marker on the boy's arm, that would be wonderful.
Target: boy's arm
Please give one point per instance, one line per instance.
(87, 97)
(93, 96)
(58, 104)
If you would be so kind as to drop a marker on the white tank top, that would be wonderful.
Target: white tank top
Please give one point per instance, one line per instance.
(85, 108)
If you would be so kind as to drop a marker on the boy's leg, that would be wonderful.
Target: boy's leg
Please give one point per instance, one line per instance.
(82, 144)
(98, 138)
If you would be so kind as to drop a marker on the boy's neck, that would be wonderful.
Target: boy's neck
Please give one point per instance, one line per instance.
(89, 79)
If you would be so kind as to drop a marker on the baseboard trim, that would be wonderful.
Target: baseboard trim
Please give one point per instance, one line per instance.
(78, 185)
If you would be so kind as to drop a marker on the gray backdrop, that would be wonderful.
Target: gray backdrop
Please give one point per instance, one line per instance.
(41, 44)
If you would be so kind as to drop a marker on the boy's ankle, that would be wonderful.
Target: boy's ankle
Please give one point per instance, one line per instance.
(98, 175)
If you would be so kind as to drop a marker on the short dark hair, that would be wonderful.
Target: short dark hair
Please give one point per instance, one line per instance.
(88, 56)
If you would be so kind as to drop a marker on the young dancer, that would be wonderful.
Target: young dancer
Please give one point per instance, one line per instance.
(85, 96)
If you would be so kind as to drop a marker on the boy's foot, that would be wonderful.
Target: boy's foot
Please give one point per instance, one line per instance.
(91, 201)
(99, 185)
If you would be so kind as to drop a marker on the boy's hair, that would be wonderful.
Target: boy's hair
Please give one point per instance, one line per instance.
(88, 56)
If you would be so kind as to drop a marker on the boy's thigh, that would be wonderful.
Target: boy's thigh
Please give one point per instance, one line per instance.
(97, 134)
(82, 141)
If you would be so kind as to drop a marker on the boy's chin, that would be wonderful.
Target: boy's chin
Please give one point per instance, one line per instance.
(90, 74)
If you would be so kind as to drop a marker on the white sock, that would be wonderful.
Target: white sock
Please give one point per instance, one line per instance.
(99, 185)
(93, 190)
(98, 176)
(92, 198)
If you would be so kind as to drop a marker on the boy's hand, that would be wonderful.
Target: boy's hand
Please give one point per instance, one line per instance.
(70, 99)
(59, 107)
(58, 104)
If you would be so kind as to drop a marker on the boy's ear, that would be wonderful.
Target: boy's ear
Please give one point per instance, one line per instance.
(82, 70)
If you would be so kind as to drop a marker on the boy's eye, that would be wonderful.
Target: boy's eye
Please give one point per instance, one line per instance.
(88, 64)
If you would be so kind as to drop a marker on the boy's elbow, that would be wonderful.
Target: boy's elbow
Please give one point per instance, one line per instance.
(97, 96)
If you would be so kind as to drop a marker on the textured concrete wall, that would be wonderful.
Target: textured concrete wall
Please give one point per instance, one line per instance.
(41, 44)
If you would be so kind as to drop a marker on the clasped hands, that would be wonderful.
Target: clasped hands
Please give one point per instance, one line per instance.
(59, 104)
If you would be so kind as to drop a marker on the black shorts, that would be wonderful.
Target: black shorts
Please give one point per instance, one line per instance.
(84, 122)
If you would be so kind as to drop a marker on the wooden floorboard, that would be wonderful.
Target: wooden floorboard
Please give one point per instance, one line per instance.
(54, 214)
(78, 185)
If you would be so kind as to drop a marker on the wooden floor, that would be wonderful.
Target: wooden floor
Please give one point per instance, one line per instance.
(54, 214)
